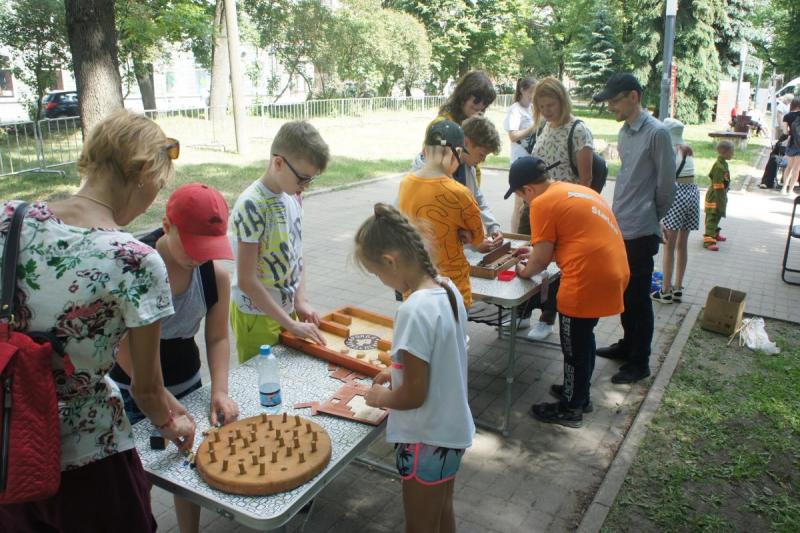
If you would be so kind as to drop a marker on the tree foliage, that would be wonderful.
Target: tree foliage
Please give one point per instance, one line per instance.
(35, 30)
(596, 55)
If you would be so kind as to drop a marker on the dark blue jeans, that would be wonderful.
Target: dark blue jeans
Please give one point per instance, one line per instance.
(578, 346)
(637, 318)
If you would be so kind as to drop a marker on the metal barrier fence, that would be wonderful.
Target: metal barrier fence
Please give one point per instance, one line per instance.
(45, 145)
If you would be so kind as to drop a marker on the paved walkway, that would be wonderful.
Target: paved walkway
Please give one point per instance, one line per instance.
(541, 477)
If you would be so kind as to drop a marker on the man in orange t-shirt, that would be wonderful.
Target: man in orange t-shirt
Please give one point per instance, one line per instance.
(574, 226)
(445, 210)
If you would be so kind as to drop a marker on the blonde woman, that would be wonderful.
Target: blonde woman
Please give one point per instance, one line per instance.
(91, 283)
(552, 114)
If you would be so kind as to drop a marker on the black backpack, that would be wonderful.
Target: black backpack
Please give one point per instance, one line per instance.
(599, 166)
(794, 128)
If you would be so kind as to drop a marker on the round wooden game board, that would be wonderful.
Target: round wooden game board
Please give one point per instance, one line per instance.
(263, 454)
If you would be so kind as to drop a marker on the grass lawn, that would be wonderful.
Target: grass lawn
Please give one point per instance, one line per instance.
(230, 178)
(723, 452)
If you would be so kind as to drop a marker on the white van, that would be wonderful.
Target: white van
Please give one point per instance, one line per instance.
(790, 88)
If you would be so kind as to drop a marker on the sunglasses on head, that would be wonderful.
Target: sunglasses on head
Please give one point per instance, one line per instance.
(173, 148)
(301, 179)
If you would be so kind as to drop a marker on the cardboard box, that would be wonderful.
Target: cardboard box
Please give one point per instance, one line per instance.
(724, 310)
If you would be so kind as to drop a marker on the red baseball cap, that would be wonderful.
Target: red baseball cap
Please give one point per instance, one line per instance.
(201, 216)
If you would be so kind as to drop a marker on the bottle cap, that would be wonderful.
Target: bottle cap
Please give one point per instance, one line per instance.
(266, 349)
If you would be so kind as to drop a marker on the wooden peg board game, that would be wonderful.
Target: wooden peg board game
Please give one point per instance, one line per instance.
(263, 454)
(356, 339)
(500, 259)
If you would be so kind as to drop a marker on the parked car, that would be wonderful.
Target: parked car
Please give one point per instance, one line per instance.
(60, 104)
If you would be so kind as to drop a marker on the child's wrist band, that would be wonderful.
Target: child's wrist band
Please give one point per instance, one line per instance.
(168, 423)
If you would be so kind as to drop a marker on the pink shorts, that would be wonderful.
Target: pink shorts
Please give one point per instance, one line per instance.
(429, 465)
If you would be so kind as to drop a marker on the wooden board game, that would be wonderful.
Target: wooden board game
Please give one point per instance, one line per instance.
(348, 402)
(263, 454)
(356, 339)
(500, 259)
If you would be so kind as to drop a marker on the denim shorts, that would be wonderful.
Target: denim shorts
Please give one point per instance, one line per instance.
(792, 151)
(132, 410)
(429, 465)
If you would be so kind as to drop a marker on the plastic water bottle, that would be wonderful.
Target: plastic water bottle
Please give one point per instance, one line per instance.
(269, 377)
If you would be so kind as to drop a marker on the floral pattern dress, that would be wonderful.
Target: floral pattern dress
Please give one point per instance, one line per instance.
(86, 287)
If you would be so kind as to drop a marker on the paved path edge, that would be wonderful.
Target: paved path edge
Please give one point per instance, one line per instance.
(357, 183)
(598, 510)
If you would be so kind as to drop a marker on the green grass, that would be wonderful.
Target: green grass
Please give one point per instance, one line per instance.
(229, 178)
(722, 454)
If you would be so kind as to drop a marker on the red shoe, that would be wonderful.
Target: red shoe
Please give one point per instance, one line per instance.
(720, 238)
(712, 247)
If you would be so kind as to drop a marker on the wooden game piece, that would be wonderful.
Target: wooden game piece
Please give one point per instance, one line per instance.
(288, 451)
(254, 459)
(284, 418)
(262, 469)
(277, 433)
(230, 440)
(211, 446)
(344, 351)
(308, 428)
(246, 443)
(232, 449)
(313, 436)
(294, 433)
(296, 443)
(280, 442)
(361, 355)
(296, 422)
(241, 468)
(212, 456)
(261, 451)
(302, 458)
(384, 345)
(269, 425)
(238, 433)
(216, 436)
(274, 457)
(263, 420)
(253, 436)
(224, 465)
(313, 446)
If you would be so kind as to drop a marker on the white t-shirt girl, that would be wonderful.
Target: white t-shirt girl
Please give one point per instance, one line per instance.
(518, 118)
(425, 327)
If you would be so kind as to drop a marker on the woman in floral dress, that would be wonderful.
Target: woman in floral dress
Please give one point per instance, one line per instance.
(89, 284)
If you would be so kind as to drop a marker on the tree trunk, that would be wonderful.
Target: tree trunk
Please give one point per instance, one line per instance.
(220, 74)
(93, 42)
(144, 77)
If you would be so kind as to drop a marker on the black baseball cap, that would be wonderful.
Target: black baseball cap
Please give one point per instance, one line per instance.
(526, 171)
(446, 133)
(618, 83)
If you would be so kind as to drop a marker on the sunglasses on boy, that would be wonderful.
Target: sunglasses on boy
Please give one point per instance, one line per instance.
(173, 148)
(301, 179)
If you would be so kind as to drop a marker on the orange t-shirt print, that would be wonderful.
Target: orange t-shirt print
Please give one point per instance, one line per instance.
(442, 206)
(589, 249)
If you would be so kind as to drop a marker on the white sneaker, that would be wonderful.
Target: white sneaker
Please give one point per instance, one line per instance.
(521, 324)
(540, 331)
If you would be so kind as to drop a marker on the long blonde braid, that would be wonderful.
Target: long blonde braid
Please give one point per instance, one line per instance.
(389, 230)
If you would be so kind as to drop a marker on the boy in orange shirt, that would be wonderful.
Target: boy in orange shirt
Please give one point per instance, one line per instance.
(575, 226)
(445, 209)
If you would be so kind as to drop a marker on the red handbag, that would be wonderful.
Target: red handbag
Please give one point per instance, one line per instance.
(30, 440)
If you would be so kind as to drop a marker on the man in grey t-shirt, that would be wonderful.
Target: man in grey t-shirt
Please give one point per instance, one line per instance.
(643, 193)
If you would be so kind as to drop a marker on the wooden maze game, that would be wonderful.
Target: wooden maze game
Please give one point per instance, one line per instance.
(263, 454)
(356, 339)
(500, 259)
(349, 401)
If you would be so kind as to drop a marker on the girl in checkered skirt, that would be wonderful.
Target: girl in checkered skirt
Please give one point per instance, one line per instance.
(682, 218)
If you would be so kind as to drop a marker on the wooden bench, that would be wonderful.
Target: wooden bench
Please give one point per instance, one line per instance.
(739, 138)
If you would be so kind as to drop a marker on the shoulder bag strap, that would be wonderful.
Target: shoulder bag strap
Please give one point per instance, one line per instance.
(680, 167)
(10, 257)
(569, 146)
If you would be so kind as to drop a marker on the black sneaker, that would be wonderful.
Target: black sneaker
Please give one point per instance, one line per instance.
(662, 297)
(557, 392)
(677, 295)
(557, 413)
(615, 351)
(630, 374)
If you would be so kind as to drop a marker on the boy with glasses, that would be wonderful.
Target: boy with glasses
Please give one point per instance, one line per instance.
(268, 289)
